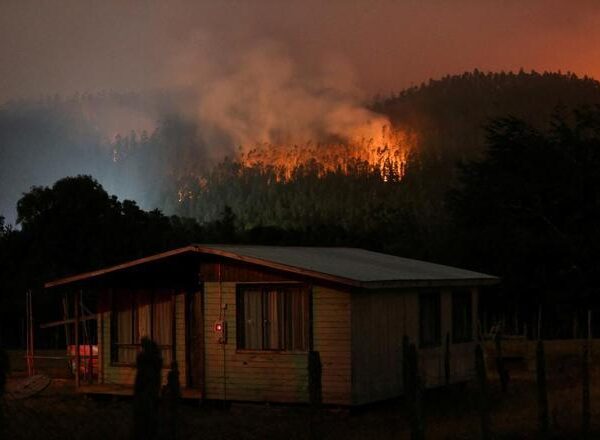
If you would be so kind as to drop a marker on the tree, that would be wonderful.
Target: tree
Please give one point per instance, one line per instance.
(528, 211)
(75, 226)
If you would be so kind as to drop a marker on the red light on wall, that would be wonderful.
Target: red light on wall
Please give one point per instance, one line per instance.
(220, 329)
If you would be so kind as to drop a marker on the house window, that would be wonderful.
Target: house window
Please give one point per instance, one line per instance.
(272, 318)
(429, 319)
(138, 315)
(462, 317)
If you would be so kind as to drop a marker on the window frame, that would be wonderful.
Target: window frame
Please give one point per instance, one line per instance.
(467, 293)
(437, 342)
(240, 321)
(132, 309)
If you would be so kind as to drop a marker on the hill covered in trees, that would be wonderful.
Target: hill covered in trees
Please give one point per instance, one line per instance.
(407, 215)
(163, 161)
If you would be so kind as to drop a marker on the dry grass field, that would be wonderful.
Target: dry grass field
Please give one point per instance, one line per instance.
(59, 413)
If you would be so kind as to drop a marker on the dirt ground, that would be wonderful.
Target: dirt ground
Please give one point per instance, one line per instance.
(59, 413)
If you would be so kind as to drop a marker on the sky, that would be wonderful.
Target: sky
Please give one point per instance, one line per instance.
(70, 46)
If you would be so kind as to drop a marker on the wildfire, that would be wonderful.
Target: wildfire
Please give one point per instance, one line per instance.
(386, 153)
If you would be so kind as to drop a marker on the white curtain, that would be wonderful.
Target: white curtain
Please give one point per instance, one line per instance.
(162, 324)
(275, 321)
(297, 317)
(276, 318)
(124, 338)
(253, 320)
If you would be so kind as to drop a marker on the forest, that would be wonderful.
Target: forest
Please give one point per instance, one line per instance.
(503, 179)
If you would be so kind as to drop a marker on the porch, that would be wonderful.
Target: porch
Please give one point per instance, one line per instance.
(127, 391)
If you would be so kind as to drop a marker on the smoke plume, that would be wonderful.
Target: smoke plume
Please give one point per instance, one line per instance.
(264, 95)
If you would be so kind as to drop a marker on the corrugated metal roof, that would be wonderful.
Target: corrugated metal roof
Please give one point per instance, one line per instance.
(353, 263)
(349, 266)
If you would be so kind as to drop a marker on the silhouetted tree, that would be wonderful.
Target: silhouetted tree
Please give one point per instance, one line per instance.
(74, 226)
(528, 210)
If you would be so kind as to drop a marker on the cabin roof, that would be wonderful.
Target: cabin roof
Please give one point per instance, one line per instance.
(348, 266)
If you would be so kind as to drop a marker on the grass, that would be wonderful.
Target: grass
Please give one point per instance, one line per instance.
(59, 413)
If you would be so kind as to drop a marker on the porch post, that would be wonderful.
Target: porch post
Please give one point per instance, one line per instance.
(77, 356)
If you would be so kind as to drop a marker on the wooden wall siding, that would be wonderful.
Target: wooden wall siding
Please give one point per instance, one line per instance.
(462, 357)
(333, 340)
(277, 377)
(252, 376)
(180, 337)
(379, 321)
(235, 271)
(125, 375)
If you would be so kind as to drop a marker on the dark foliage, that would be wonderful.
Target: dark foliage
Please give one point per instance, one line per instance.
(528, 211)
(76, 226)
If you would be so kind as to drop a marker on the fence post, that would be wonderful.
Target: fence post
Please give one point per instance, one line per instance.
(4, 368)
(406, 366)
(447, 371)
(585, 392)
(315, 390)
(542, 391)
(416, 395)
(500, 367)
(483, 398)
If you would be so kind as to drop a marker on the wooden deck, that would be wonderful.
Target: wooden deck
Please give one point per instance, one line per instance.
(123, 390)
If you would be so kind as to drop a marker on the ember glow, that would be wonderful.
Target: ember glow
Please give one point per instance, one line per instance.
(386, 153)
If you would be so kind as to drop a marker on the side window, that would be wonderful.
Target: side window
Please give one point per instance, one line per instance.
(462, 316)
(272, 318)
(141, 314)
(429, 319)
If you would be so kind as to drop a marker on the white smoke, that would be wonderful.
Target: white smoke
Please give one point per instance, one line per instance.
(265, 94)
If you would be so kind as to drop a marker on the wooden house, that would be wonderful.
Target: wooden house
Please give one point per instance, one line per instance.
(240, 320)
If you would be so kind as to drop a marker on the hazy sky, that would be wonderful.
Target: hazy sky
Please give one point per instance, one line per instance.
(67, 46)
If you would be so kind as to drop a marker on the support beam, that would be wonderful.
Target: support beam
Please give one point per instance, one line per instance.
(77, 354)
(67, 321)
(32, 340)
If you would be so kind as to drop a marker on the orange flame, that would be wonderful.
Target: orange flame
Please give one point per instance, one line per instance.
(387, 153)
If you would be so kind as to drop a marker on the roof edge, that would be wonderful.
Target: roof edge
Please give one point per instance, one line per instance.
(466, 282)
(109, 269)
(278, 266)
(200, 249)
